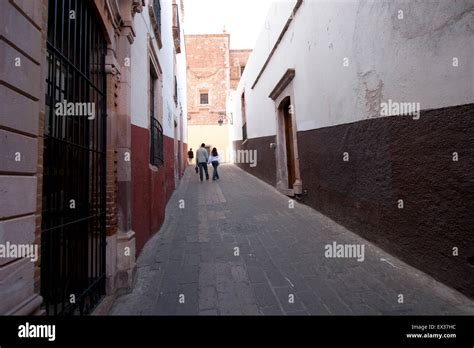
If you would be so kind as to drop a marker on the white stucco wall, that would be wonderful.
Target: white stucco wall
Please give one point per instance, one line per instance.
(139, 71)
(259, 109)
(182, 90)
(407, 59)
(166, 56)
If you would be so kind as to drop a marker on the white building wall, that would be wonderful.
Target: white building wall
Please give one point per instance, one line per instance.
(407, 59)
(181, 76)
(166, 56)
(259, 109)
(139, 70)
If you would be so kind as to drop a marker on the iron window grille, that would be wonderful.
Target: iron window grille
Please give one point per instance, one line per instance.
(73, 234)
(156, 153)
(156, 130)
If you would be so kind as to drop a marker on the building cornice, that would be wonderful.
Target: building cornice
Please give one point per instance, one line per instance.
(287, 77)
(277, 43)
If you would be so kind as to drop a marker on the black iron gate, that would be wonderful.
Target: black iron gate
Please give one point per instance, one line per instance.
(73, 216)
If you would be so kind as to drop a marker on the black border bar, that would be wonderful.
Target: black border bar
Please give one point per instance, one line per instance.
(162, 330)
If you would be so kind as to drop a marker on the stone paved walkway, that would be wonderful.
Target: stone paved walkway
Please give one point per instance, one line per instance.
(280, 267)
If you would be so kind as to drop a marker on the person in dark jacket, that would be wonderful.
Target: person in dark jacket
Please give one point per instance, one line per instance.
(190, 156)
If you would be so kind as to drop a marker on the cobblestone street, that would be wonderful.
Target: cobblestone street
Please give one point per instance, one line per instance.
(191, 266)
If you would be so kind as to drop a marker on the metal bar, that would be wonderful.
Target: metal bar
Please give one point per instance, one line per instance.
(104, 161)
(76, 145)
(64, 122)
(73, 240)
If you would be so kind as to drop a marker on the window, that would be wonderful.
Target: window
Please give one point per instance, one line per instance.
(244, 117)
(154, 11)
(176, 29)
(157, 13)
(156, 131)
(175, 91)
(204, 98)
(156, 153)
(242, 68)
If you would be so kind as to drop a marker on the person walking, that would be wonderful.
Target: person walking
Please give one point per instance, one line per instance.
(214, 160)
(202, 158)
(190, 156)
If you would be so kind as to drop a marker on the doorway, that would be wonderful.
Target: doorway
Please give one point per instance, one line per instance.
(285, 108)
(288, 175)
(176, 153)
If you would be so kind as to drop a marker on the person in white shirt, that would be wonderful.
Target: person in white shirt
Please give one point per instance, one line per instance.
(214, 160)
(201, 161)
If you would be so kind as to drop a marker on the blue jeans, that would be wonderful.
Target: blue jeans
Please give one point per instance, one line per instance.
(215, 174)
(203, 166)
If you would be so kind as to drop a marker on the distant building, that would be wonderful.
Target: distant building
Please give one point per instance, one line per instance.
(213, 69)
(361, 109)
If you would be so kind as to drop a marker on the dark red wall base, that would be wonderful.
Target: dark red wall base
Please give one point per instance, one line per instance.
(394, 158)
(151, 186)
(266, 165)
(185, 157)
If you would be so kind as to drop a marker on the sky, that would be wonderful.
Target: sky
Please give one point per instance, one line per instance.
(243, 19)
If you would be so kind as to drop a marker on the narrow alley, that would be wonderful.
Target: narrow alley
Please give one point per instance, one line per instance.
(343, 134)
(238, 246)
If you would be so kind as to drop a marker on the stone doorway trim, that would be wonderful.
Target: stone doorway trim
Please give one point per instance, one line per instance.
(283, 90)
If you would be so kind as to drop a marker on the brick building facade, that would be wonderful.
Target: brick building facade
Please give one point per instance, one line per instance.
(238, 61)
(213, 69)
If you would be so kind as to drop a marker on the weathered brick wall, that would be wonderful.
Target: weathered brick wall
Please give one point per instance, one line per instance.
(238, 59)
(207, 70)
